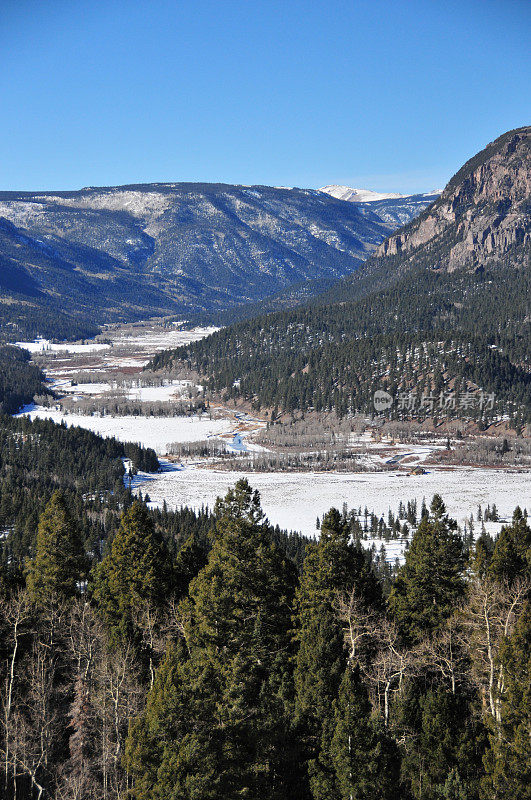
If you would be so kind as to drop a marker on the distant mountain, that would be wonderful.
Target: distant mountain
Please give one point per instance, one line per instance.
(443, 306)
(393, 209)
(359, 195)
(102, 254)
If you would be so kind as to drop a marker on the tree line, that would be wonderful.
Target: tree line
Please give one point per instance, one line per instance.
(227, 671)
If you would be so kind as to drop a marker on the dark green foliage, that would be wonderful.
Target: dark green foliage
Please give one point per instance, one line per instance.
(219, 710)
(431, 582)
(511, 557)
(454, 788)
(482, 554)
(135, 573)
(366, 759)
(448, 740)
(142, 458)
(168, 756)
(334, 357)
(332, 568)
(508, 761)
(59, 563)
(20, 381)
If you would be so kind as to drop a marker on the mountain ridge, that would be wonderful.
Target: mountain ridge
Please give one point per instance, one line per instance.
(392, 208)
(359, 195)
(495, 184)
(144, 250)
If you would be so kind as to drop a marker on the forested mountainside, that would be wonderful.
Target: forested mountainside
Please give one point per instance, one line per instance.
(20, 380)
(412, 321)
(121, 253)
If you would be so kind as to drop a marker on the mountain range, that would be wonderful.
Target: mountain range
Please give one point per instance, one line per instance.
(392, 208)
(443, 304)
(69, 259)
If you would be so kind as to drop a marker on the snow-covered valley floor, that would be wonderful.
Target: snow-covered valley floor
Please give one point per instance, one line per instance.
(294, 500)
(155, 432)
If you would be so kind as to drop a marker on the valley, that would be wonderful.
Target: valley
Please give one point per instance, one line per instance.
(204, 445)
(130, 252)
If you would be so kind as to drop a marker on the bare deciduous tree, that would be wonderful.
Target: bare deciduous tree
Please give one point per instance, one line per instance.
(374, 642)
(488, 618)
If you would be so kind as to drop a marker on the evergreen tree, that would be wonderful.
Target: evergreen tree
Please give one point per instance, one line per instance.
(508, 760)
(59, 561)
(512, 552)
(365, 759)
(133, 573)
(482, 554)
(173, 750)
(333, 566)
(431, 582)
(454, 788)
(230, 690)
(447, 736)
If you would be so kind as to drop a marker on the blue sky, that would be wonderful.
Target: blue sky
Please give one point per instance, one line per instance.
(382, 94)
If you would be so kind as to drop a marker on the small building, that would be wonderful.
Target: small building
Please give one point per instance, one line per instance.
(418, 471)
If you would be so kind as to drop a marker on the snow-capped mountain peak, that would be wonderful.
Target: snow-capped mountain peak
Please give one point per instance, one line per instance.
(391, 207)
(359, 195)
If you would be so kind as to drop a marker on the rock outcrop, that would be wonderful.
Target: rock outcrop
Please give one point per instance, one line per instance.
(483, 214)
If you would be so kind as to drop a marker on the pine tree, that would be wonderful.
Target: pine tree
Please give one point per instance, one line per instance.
(173, 750)
(454, 788)
(431, 582)
(482, 554)
(366, 761)
(512, 552)
(508, 760)
(225, 695)
(447, 736)
(332, 566)
(191, 558)
(133, 573)
(59, 562)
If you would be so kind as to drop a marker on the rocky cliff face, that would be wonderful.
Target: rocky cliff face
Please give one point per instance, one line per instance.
(483, 214)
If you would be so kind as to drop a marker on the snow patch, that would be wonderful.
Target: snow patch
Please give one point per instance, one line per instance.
(155, 432)
(45, 346)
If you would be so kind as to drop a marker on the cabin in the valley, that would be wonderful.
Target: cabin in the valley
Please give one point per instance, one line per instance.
(418, 471)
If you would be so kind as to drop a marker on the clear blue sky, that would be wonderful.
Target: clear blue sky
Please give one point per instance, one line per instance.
(383, 94)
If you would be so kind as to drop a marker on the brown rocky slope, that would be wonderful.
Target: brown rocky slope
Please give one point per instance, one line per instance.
(483, 214)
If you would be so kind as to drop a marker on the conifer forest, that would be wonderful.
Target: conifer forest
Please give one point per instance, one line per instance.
(154, 654)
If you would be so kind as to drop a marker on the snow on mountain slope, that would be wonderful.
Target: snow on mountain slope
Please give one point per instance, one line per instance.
(358, 195)
(128, 252)
(392, 208)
